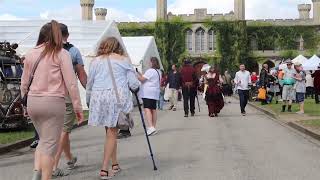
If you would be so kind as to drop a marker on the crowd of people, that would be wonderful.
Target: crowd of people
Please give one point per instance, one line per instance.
(289, 85)
(53, 67)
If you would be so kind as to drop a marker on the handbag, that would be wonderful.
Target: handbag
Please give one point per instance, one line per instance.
(24, 100)
(262, 95)
(125, 120)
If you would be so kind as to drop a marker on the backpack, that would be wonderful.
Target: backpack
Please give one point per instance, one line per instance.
(67, 46)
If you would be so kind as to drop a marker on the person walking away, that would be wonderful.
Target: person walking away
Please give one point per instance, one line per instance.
(300, 86)
(310, 85)
(264, 80)
(242, 81)
(214, 96)
(288, 92)
(174, 85)
(316, 76)
(69, 118)
(162, 90)
(189, 84)
(104, 108)
(46, 104)
(150, 92)
(227, 86)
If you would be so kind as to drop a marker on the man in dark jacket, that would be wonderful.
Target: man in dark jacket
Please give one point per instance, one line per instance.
(316, 76)
(264, 75)
(174, 82)
(189, 84)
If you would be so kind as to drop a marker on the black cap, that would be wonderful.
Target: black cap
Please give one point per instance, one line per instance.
(64, 30)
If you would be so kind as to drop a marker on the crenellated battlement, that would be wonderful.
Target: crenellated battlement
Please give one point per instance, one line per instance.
(88, 3)
(202, 15)
(304, 7)
(282, 22)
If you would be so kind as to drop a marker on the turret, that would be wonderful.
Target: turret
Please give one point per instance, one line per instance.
(87, 9)
(162, 10)
(240, 9)
(101, 14)
(304, 11)
(316, 11)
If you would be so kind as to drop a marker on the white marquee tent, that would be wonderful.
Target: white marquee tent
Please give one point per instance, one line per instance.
(312, 64)
(85, 35)
(140, 50)
(299, 59)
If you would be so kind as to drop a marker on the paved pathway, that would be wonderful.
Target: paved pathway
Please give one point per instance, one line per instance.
(230, 147)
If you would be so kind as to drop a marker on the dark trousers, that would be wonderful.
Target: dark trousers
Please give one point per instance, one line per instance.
(316, 95)
(189, 94)
(244, 96)
(310, 92)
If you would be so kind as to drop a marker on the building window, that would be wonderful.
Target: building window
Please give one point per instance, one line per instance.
(200, 40)
(189, 40)
(211, 40)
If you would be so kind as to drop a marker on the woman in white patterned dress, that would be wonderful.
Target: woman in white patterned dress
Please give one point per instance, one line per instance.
(103, 107)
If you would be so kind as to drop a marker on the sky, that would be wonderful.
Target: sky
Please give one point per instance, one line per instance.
(143, 10)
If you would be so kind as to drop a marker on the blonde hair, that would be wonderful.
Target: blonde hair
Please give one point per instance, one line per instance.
(110, 45)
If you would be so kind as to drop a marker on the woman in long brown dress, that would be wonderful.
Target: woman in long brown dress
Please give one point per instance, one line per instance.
(214, 96)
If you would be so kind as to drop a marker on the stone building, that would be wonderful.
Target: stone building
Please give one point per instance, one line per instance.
(202, 41)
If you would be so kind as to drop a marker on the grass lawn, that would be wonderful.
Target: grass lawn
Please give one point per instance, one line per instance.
(11, 137)
(313, 124)
(14, 136)
(311, 108)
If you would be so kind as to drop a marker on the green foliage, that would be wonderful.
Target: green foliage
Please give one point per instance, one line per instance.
(170, 38)
(289, 54)
(136, 29)
(283, 37)
(232, 44)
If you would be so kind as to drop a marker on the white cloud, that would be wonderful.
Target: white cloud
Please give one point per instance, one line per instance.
(67, 13)
(8, 17)
(121, 16)
(150, 14)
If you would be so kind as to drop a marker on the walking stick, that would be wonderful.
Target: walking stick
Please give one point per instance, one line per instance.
(145, 130)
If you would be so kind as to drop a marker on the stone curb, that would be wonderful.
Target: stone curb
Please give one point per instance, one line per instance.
(268, 112)
(304, 130)
(24, 143)
(293, 125)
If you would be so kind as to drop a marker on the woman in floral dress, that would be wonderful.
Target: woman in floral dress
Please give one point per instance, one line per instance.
(101, 97)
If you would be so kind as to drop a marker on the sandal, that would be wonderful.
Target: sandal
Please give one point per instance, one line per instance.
(116, 168)
(107, 176)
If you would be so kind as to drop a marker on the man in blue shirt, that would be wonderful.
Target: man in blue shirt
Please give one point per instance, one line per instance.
(69, 121)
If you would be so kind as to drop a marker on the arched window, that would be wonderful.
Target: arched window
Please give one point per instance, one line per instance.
(189, 40)
(211, 40)
(200, 39)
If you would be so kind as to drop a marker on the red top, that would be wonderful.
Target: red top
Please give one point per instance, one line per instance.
(188, 73)
(254, 78)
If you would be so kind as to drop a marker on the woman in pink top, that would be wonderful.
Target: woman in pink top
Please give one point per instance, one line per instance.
(46, 104)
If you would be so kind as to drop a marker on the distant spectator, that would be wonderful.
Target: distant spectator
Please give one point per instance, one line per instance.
(300, 86)
(174, 81)
(163, 83)
(316, 76)
(264, 79)
(310, 85)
